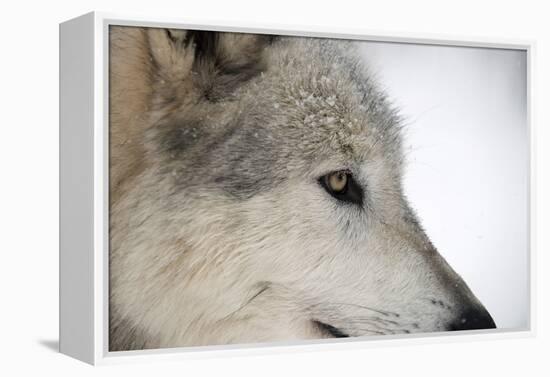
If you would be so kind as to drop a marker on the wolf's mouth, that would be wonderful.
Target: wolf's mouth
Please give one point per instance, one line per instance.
(330, 330)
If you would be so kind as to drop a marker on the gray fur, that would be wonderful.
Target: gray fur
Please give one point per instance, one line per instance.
(250, 153)
(223, 235)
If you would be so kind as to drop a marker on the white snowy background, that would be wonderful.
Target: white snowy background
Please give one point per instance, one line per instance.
(467, 173)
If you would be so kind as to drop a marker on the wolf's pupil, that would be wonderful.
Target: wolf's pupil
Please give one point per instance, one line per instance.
(338, 181)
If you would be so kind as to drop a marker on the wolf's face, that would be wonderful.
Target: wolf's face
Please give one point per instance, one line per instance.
(267, 201)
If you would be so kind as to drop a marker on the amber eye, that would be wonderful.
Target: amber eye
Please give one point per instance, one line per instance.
(337, 181)
(341, 185)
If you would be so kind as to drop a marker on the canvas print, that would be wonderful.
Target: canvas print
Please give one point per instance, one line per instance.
(260, 191)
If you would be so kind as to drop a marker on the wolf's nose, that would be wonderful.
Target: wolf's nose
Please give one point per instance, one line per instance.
(473, 319)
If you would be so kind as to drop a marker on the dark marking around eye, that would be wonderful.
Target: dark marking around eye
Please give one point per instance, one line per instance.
(351, 193)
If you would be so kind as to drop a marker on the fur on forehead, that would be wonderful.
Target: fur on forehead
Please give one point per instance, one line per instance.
(312, 94)
(323, 93)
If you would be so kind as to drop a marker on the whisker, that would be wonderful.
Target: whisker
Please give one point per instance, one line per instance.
(262, 290)
(385, 313)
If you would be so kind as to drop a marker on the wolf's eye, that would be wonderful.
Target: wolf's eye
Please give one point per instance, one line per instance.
(341, 185)
(337, 182)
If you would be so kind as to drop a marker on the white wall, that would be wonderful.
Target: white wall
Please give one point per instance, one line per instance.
(467, 174)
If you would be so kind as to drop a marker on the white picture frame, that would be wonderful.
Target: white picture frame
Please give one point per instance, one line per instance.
(84, 190)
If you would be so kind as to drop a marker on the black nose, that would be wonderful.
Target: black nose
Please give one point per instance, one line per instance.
(473, 319)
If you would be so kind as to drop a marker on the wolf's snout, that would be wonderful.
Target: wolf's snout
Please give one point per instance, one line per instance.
(473, 319)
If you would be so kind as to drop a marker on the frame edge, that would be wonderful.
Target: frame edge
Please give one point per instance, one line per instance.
(76, 182)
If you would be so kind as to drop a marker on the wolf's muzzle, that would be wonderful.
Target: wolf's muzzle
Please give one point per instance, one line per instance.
(473, 319)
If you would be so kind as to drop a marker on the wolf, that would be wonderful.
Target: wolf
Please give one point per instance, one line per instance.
(256, 196)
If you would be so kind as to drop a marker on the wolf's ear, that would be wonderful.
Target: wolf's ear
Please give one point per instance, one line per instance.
(171, 53)
(208, 64)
